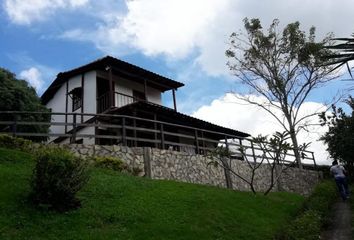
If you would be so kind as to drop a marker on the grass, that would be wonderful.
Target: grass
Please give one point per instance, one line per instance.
(118, 206)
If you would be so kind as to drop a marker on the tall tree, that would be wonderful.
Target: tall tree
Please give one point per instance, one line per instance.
(340, 135)
(283, 67)
(17, 95)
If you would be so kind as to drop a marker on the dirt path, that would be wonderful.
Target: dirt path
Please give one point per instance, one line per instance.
(340, 228)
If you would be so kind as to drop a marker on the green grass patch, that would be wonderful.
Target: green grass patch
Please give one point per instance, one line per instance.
(314, 215)
(119, 206)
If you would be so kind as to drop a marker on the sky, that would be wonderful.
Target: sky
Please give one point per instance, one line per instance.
(184, 40)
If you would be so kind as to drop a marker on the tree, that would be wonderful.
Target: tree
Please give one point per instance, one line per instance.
(340, 135)
(271, 156)
(17, 95)
(283, 67)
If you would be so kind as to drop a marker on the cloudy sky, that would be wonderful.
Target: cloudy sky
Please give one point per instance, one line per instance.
(182, 39)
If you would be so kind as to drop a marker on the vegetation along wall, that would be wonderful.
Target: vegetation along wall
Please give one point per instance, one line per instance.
(192, 168)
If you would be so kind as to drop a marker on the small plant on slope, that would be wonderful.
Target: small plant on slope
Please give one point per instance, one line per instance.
(57, 177)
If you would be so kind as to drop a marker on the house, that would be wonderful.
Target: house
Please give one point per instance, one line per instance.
(110, 101)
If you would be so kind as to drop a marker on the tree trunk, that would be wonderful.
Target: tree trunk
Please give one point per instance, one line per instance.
(295, 146)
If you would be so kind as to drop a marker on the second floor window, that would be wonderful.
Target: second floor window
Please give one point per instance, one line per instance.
(76, 96)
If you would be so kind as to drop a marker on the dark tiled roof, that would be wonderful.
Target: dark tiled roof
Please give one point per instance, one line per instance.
(172, 116)
(119, 67)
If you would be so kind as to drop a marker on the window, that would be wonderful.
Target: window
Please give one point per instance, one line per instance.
(76, 96)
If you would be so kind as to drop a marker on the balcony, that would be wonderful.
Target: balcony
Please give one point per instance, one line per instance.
(119, 100)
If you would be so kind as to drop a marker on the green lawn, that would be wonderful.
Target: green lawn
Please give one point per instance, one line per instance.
(119, 206)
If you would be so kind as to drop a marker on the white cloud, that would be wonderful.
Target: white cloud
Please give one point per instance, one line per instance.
(25, 12)
(34, 77)
(157, 27)
(177, 28)
(231, 112)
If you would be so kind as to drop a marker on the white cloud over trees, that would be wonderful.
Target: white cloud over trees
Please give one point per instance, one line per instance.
(34, 77)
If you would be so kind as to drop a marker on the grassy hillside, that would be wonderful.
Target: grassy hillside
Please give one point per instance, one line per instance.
(118, 206)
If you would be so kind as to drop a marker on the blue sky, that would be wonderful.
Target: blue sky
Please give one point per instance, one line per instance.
(181, 39)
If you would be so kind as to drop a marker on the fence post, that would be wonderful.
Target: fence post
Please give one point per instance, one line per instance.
(73, 136)
(14, 125)
(147, 161)
(162, 137)
(134, 132)
(227, 167)
(253, 152)
(196, 141)
(124, 132)
(226, 144)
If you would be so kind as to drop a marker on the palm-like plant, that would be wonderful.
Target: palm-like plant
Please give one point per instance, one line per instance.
(341, 53)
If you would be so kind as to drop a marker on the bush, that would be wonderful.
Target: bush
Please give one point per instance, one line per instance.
(110, 163)
(115, 164)
(313, 216)
(57, 177)
(7, 141)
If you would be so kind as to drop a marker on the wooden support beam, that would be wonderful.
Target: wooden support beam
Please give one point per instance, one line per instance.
(82, 95)
(145, 90)
(66, 105)
(174, 99)
(111, 90)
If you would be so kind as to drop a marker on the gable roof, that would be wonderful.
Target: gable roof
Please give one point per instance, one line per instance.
(120, 68)
(169, 115)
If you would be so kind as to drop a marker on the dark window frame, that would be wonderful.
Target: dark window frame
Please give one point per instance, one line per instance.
(76, 100)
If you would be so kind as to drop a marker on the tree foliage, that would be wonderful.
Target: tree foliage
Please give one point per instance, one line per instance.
(282, 67)
(340, 135)
(17, 95)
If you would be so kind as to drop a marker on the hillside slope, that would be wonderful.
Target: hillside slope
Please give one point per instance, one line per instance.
(119, 206)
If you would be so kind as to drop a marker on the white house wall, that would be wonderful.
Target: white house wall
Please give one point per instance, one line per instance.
(90, 93)
(57, 104)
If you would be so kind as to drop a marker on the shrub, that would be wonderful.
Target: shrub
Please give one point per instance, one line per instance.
(110, 163)
(307, 226)
(322, 198)
(313, 216)
(7, 141)
(115, 164)
(57, 177)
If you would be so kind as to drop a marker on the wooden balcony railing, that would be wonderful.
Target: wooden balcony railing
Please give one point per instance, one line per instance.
(132, 131)
(120, 100)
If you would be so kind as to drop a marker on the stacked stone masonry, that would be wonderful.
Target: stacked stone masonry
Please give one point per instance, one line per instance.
(192, 168)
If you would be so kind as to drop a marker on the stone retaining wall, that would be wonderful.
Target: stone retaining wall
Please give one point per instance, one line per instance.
(192, 168)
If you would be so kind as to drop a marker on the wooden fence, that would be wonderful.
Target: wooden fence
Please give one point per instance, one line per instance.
(134, 132)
